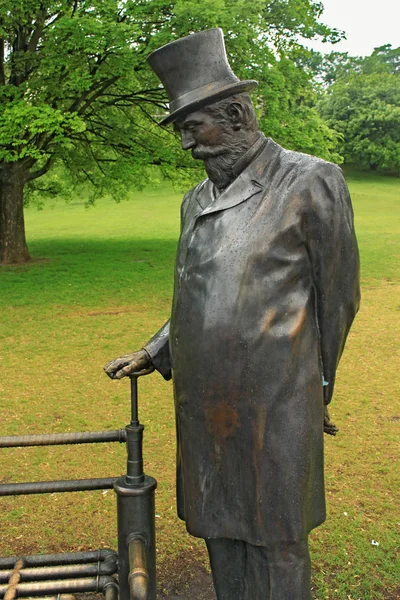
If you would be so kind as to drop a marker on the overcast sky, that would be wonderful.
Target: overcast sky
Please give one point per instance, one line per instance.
(367, 23)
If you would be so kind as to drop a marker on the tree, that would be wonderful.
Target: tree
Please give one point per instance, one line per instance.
(288, 107)
(363, 106)
(383, 59)
(338, 65)
(75, 88)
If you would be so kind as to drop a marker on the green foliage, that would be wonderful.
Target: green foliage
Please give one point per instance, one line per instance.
(75, 86)
(384, 59)
(75, 89)
(365, 110)
(338, 65)
(288, 112)
(34, 120)
(362, 105)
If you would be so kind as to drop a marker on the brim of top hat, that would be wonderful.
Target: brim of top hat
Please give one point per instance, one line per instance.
(204, 96)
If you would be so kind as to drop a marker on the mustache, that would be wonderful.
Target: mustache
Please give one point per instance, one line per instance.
(204, 152)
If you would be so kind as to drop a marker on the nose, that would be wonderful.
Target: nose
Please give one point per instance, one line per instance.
(187, 140)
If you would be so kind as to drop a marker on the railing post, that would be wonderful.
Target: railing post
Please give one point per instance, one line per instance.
(136, 516)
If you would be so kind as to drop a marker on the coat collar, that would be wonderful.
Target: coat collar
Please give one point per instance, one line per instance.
(247, 184)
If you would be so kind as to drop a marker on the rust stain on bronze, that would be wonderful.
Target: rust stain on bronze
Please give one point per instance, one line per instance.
(222, 420)
(299, 323)
(268, 319)
(259, 434)
(260, 426)
(289, 217)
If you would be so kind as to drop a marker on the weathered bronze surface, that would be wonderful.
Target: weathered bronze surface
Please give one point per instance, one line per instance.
(266, 289)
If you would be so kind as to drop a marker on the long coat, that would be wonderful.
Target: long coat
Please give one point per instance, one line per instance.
(266, 288)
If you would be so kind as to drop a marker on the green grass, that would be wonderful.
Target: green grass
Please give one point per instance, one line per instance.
(100, 286)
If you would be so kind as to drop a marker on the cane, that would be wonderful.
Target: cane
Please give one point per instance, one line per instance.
(136, 513)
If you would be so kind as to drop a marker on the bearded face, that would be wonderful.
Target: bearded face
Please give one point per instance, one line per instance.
(216, 142)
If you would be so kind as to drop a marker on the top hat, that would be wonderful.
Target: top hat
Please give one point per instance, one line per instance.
(195, 71)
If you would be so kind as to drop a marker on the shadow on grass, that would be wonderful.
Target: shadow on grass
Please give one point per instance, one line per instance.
(90, 272)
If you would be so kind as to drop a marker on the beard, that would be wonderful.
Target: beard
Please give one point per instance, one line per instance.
(220, 160)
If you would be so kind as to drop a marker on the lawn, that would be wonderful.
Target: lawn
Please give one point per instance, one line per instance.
(100, 286)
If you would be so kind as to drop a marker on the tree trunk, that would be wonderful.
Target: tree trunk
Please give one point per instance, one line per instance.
(13, 248)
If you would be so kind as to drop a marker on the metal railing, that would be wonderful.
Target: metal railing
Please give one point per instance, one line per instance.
(63, 574)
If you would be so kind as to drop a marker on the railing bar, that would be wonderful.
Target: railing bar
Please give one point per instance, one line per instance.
(59, 439)
(50, 487)
(62, 571)
(55, 597)
(61, 558)
(41, 588)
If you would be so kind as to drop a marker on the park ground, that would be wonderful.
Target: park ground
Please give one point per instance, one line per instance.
(99, 286)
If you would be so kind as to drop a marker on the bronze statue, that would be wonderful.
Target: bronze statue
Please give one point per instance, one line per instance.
(266, 289)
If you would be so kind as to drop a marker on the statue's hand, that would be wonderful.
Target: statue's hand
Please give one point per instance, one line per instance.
(127, 364)
(329, 427)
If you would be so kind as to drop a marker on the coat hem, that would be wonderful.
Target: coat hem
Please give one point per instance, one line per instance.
(268, 541)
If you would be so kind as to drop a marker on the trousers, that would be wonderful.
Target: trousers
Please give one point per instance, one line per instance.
(242, 571)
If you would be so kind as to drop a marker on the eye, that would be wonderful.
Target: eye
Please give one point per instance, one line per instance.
(191, 125)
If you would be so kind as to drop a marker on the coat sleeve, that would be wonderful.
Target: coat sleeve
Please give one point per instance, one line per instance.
(158, 349)
(333, 253)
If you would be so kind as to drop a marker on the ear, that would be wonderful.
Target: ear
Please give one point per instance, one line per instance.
(235, 114)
